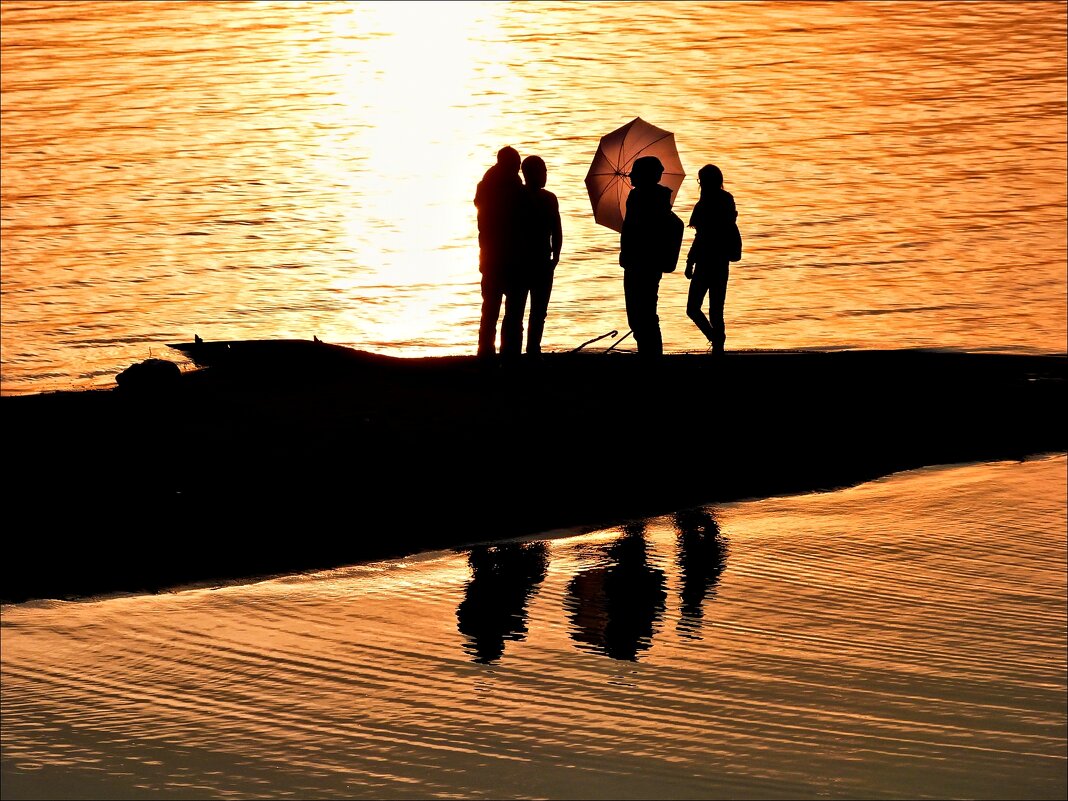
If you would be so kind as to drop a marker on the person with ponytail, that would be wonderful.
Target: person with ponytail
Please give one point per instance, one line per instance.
(716, 244)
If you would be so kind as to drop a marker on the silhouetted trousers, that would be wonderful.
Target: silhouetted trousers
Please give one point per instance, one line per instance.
(495, 293)
(538, 285)
(541, 287)
(515, 304)
(641, 288)
(710, 279)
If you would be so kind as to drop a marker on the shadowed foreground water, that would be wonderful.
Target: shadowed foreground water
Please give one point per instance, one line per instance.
(901, 639)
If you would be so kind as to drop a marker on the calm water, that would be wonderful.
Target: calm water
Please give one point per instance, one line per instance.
(901, 639)
(245, 170)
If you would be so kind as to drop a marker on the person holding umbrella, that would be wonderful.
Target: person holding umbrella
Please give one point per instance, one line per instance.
(716, 244)
(641, 252)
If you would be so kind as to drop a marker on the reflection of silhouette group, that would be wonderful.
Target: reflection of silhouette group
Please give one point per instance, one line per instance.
(614, 608)
(503, 578)
(520, 237)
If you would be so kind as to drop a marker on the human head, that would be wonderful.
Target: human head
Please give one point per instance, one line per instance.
(508, 158)
(710, 177)
(534, 171)
(646, 171)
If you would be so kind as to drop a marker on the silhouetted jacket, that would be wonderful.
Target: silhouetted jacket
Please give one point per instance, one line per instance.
(641, 243)
(540, 229)
(496, 199)
(714, 220)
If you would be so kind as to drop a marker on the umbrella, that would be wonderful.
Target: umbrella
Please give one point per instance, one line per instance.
(607, 181)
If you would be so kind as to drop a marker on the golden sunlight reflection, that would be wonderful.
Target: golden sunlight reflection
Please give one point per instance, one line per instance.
(404, 94)
(273, 170)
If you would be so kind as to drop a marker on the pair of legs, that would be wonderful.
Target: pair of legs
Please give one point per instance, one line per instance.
(710, 280)
(497, 292)
(515, 304)
(641, 289)
(494, 295)
(539, 287)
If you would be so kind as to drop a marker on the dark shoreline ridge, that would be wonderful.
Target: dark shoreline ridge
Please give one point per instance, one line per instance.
(290, 455)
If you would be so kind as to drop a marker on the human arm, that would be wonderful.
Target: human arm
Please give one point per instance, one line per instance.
(557, 234)
(691, 255)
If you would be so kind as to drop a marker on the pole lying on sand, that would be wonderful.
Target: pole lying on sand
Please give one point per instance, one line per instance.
(620, 340)
(611, 333)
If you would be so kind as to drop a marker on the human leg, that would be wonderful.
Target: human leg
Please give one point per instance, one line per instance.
(492, 296)
(641, 292)
(717, 295)
(695, 298)
(633, 296)
(515, 304)
(540, 290)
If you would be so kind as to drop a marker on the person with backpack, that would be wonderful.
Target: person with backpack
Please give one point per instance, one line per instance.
(645, 252)
(716, 244)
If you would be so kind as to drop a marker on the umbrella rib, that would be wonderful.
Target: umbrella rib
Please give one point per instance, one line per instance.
(619, 158)
(601, 194)
(648, 145)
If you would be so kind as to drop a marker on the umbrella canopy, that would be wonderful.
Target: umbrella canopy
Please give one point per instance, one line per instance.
(608, 179)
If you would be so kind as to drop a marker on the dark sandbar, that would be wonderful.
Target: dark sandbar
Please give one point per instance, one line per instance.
(289, 456)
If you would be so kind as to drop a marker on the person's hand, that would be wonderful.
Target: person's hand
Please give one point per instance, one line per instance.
(689, 270)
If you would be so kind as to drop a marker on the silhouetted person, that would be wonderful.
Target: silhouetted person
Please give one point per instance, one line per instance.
(541, 238)
(715, 244)
(497, 198)
(616, 608)
(641, 252)
(701, 559)
(503, 578)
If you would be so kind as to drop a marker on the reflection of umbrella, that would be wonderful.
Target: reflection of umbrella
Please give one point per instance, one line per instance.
(607, 181)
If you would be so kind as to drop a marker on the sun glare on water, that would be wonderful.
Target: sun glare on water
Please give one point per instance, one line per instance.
(401, 142)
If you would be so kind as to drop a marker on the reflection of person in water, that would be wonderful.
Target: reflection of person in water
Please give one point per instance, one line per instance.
(615, 608)
(701, 558)
(503, 578)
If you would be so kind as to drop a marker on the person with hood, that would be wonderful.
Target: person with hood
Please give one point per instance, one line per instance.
(497, 199)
